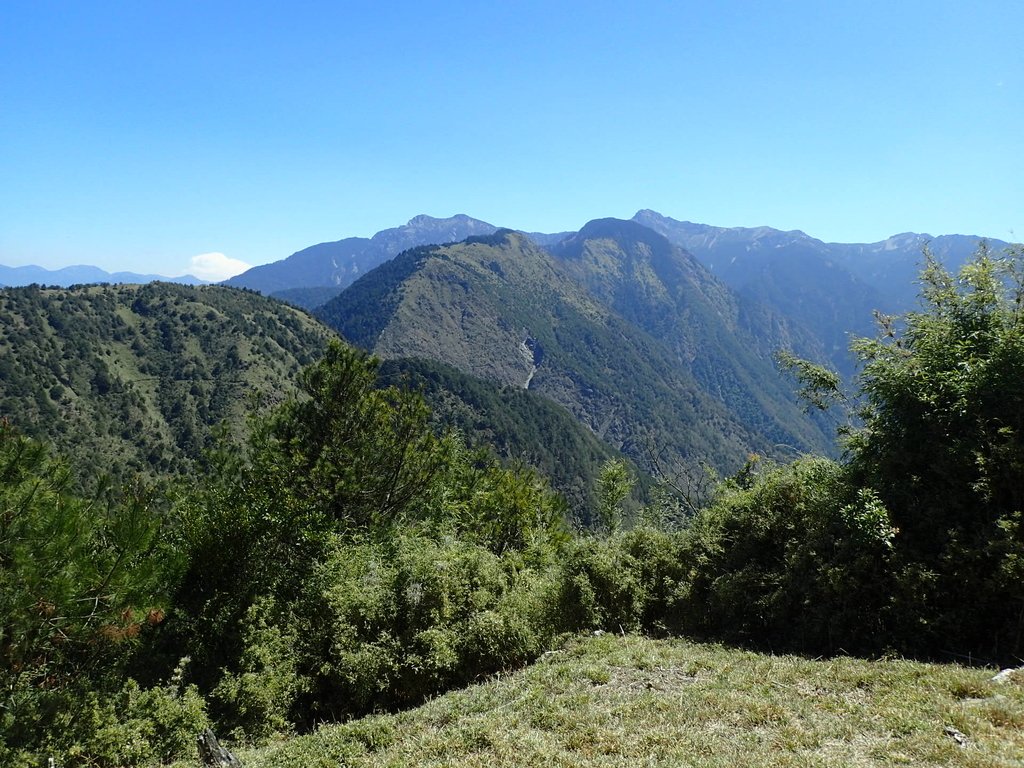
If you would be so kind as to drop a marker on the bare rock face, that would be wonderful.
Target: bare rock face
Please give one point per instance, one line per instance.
(212, 754)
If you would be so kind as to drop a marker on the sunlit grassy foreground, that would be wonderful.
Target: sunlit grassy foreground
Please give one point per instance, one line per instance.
(631, 701)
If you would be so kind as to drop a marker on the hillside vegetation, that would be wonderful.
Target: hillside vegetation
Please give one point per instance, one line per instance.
(342, 558)
(726, 343)
(502, 309)
(136, 380)
(520, 426)
(131, 379)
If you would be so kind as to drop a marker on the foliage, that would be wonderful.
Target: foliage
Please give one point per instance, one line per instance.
(359, 455)
(260, 694)
(788, 557)
(82, 582)
(939, 459)
(131, 726)
(384, 625)
(388, 625)
(943, 448)
(506, 509)
(820, 387)
(130, 380)
(517, 424)
(629, 581)
(614, 485)
(349, 478)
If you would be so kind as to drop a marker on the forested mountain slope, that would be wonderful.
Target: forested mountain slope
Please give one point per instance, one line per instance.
(832, 288)
(131, 379)
(728, 342)
(503, 309)
(519, 425)
(788, 271)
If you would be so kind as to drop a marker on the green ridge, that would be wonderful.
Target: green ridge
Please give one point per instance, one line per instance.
(132, 379)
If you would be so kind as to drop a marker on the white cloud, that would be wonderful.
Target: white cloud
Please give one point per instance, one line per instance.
(216, 267)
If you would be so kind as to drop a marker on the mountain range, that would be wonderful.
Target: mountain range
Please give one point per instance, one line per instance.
(81, 275)
(680, 375)
(833, 288)
(829, 291)
(336, 265)
(655, 337)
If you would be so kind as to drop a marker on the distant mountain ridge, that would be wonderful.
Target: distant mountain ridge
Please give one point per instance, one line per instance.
(338, 264)
(727, 342)
(889, 266)
(711, 305)
(81, 274)
(882, 274)
(833, 288)
(650, 332)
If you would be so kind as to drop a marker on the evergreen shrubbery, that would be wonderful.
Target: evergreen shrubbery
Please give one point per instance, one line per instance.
(82, 581)
(790, 557)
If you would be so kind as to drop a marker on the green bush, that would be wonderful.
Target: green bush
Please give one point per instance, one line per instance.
(943, 447)
(661, 567)
(347, 558)
(626, 582)
(599, 588)
(88, 726)
(791, 558)
(387, 625)
(505, 509)
(137, 726)
(255, 702)
(81, 583)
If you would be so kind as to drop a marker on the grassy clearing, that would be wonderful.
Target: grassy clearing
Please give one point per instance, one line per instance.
(632, 701)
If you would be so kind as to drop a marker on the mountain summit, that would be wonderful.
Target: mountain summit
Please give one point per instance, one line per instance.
(338, 264)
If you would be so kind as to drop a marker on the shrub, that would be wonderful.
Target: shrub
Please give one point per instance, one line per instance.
(86, 726)
(81, 583)
(256, 701)
(138, 726)
(387, 625)
(791, 558)
(626, 582)
(943, 448)
(346, 487)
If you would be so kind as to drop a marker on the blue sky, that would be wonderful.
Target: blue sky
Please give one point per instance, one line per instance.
(139, 135)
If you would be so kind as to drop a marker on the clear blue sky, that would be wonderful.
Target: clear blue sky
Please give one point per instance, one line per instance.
(137, 135)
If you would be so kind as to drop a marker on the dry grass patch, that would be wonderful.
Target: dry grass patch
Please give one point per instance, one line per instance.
(631, 701)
